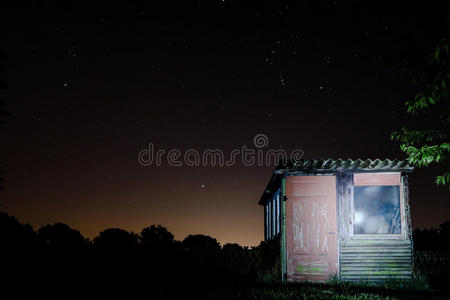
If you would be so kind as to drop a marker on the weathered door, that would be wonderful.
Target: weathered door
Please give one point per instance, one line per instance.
(311, 230)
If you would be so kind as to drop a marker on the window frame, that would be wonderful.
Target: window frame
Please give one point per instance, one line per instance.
(379, 179)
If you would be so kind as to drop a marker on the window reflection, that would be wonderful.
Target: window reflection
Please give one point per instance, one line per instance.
(377, 210)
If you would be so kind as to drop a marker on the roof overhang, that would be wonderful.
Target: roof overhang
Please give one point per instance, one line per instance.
(331, 166)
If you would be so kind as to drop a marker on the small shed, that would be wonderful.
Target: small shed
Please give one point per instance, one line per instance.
(345, 218)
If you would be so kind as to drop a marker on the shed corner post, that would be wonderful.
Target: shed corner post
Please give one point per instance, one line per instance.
(283, 229)
(408, 220)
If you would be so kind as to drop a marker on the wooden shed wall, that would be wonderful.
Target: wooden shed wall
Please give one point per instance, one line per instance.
(377, 258)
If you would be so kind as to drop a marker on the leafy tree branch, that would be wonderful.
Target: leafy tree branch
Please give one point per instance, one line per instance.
(426, 146)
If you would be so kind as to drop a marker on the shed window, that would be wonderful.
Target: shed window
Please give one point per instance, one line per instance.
(377, 209)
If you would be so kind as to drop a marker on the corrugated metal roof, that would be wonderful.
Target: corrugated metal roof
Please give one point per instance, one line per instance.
(318, 166)
(369, 165)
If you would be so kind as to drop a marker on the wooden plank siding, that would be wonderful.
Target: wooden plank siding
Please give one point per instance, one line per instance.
(377, 258)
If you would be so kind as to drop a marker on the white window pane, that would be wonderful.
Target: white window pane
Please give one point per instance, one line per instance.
(377, 210)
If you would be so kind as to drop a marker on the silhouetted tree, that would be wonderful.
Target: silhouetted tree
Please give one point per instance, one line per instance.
(116, 240)
(444, 231)
(269, 255)
(237, 260)
(200, 242)
(426, 239)
(16, 237)
(156, 238)
(435, 239)
(60, 237)
(18, 254)
(232, 247)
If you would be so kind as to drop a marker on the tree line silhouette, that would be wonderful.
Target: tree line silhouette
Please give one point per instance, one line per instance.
(433, 239)
(57, 258)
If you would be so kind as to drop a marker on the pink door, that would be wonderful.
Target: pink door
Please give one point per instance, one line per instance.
(311, 229)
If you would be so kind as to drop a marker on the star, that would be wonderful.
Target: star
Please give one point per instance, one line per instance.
(282, 82)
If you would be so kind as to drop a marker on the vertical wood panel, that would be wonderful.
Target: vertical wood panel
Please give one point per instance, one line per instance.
(344, 185)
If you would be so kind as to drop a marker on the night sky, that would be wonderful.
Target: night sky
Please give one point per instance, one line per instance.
(89, 86)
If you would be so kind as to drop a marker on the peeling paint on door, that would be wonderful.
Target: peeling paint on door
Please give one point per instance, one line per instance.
(310, 227)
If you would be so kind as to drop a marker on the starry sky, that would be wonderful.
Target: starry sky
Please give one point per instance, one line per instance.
(89, 86)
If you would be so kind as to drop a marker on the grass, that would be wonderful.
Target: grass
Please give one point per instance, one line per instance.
(330, 290)
(205, 288)
(417, 284)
